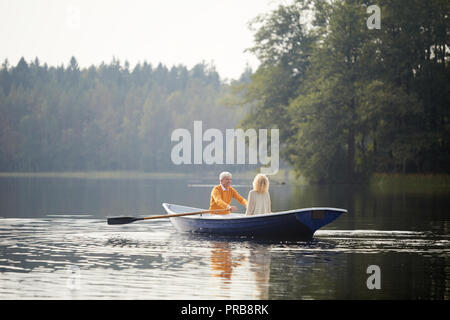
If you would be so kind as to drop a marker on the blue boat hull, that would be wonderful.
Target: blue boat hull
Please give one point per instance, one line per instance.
(288, 225)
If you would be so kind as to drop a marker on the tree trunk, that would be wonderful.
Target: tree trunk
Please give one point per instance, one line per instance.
(351, 143)
(351, 155)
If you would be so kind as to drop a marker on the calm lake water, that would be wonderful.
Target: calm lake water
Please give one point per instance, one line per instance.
(55, 244)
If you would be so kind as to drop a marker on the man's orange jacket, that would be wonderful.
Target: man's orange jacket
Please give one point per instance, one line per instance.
(221, 199)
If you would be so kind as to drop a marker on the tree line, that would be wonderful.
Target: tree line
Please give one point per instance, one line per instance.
(105, 117)
(351, 100)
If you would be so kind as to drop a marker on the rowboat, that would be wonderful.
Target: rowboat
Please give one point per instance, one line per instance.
(298, 224)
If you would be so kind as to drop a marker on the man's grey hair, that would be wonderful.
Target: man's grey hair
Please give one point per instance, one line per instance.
(224, 175)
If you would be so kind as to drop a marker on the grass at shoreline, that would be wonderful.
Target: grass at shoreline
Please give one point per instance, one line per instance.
(95, 175)
(419, 182)
(378, 180)
(281, 177)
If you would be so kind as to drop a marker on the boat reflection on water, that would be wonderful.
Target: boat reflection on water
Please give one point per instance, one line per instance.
(260, 267)
(250, 266)
(222, 260)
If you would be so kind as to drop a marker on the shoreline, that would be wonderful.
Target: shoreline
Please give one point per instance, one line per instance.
(282, 177)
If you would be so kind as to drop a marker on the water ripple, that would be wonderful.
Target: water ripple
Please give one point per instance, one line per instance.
(83, 258)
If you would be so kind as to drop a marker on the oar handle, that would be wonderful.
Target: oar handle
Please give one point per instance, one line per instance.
(125, 220)
(184, 214)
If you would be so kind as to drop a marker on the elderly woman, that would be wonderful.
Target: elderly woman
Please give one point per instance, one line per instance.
(259, 197)
(222, 195)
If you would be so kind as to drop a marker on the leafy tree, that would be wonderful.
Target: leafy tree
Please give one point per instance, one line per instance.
(350, 101)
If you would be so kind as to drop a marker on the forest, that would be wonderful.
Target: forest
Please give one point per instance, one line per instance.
(103, 118)
(351, 100)
(348, 100)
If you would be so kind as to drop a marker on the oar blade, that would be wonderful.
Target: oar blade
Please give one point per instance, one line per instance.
(122, 220)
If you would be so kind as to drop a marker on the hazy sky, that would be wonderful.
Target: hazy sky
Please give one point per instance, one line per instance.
(168, 31)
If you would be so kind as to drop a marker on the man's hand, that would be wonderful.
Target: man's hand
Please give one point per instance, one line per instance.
(233, 208)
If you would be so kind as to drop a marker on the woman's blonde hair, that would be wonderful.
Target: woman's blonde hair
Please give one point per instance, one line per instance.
(261, 183)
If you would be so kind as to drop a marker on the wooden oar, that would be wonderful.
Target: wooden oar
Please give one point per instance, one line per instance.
(125, 220)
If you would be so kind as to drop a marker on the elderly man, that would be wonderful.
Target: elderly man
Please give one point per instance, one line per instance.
(222, 195)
